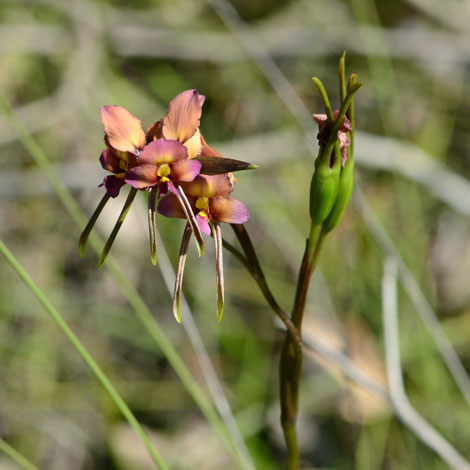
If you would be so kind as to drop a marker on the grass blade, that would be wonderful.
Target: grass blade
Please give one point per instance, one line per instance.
(86, 356)
(22, 461)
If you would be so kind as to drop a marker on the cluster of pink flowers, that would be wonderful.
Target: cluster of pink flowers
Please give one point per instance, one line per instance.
(183, 175)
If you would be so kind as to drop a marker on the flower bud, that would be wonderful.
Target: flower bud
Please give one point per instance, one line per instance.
(345, 186)
(324, 189)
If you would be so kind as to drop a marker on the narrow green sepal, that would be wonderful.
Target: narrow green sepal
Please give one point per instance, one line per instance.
(342, 76)
(120, 221)
(82, 243)
(354, 88)
(324, 97)
(350, 112)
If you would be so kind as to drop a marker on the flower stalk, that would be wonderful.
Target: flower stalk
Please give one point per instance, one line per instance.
(330, 192)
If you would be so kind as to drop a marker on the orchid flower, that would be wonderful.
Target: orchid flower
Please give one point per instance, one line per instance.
(124, 139)
(209, 199)
(171, 152)
(134, 159)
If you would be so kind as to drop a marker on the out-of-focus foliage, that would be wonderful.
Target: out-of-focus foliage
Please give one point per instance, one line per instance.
(61, 61)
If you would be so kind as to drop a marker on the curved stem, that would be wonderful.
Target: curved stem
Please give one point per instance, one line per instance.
(257, 273)
(251, 262)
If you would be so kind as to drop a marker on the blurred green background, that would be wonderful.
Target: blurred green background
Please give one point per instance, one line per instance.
(61, 61)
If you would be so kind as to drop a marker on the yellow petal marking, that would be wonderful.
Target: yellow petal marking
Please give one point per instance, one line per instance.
(202, 203)
(164, 171)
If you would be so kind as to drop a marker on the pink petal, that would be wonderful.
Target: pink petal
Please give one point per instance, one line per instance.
(185, 170)
(194, 145)
(113, 185)
(345, 124)
(203, 223)
(163, 151)
(184, 113)
(123, 130)
(229, 210)
(169, 206)
(319, 118)
(208, 186)
(142, 176)
(109, 161)
(344, 143)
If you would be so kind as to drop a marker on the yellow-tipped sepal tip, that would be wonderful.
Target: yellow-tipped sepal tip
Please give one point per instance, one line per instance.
(177, 313)
(200, 249)
(101, 262)
(252, 167)
(220, 311)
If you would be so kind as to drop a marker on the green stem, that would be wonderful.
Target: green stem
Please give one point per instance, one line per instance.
(291, 357)
(251, 262)
(144, 314)
(95, 368)
(22, 461)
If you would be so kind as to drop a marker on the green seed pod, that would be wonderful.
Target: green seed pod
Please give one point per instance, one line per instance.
(346, 182)
(324, 189)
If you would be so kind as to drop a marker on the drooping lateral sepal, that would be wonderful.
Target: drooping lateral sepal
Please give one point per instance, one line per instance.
(120, 221)
(180, 271)
(91, 223)
(220, 166)
(219, 268)
(152, 201)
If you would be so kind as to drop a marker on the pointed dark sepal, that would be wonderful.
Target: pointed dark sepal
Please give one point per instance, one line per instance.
(219, 267)
(120, 221)
(179, 273)
(87, 230)
(220, 166)
(153, 194)
(188, 212)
